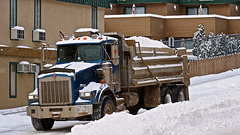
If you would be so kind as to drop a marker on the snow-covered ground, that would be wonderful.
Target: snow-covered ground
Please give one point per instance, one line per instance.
(213, 109)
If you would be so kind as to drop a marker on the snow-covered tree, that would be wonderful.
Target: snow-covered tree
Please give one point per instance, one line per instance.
(213, 46)
(198, 39)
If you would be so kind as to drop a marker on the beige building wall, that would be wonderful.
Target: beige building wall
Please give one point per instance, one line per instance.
(137, 26)
(162, 28)
(55, 16)
(24, 81)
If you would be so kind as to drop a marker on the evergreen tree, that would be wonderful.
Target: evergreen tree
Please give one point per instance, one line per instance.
(198, 39)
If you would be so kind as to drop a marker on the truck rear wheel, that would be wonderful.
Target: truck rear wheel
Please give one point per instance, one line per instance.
(167, 98)
(181, 95)
(133, 109)
(42, 124)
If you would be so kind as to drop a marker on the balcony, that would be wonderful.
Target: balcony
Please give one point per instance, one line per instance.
(146, 1)
(190, 2)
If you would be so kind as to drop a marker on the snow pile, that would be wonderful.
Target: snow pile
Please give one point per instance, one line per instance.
(146, 42)
(186, 118)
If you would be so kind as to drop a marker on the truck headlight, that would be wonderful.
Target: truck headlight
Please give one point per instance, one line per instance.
(85, 94)
(33, 97)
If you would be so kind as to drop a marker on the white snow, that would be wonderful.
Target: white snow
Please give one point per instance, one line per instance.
(213, 109)
(4, 46)
(22, 46)
(146, 42)
(157, 57)
(87, 29)
(91, 86)
(24, 62)
(85, 41)
(40, 30)
(47, 65)
(77, 66)
(215, 104)
(157, 66)
(18, 28)
(35, 92)
(170, 17)
(58, 73)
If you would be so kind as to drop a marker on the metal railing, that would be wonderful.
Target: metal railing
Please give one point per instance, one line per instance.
(209, 47)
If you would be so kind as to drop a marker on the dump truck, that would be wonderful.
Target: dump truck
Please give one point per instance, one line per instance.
(98, 74)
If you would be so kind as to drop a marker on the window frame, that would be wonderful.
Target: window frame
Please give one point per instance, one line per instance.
(10, 79)
(197, 9)
(13, 13)
(124, 9)
(37, 14)
(94, 17)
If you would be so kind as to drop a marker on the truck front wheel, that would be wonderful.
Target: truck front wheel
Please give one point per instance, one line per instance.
(108, 106)
(42, 124)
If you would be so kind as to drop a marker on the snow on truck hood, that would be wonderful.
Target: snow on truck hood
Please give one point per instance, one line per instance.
(77, 66)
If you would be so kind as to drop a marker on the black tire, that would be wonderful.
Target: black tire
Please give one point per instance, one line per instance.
(96, 112)
(167, 98)
(181, 96)
(99, 109)
(108, 107)
(42, 124)
(133, 109)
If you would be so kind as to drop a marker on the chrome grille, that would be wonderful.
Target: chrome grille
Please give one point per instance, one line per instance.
(55, 92)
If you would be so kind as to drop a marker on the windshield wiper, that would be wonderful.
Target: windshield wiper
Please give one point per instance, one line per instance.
(78, 54)
(81, 57)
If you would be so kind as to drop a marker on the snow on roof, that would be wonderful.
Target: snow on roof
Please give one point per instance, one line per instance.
(18, 28)
(4, 46)
(40, 30)
(22, 46)
(87, 29)
(146, 42)
(169, 17)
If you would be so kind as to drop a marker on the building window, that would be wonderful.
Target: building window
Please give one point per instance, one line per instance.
(94, 17)
(194, 10)
(139, 10)
(37, 14)
(12, 80)
(13, 13)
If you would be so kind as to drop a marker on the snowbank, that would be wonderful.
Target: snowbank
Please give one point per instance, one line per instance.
(184, 118)
(146, 42)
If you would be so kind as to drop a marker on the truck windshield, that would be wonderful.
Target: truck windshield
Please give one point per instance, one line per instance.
(79, 52)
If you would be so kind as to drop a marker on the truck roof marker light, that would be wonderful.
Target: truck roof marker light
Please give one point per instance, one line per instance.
(79, 38)
(61, 40)
(85, 38)
(74, 38)
(100, 38)
(102, 81)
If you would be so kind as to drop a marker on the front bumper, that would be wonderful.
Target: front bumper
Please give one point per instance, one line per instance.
(57, 112)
